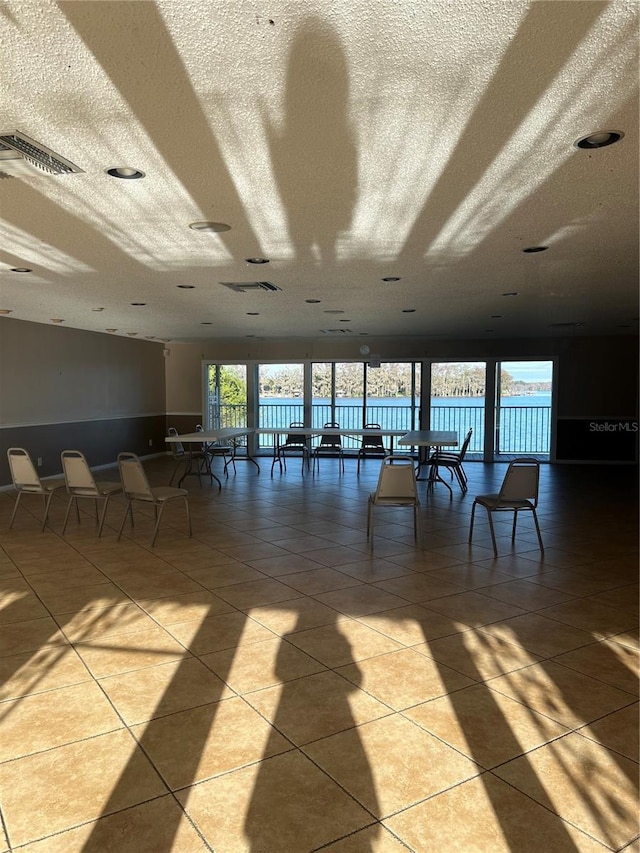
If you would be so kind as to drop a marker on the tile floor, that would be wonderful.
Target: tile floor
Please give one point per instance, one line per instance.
(272, 684)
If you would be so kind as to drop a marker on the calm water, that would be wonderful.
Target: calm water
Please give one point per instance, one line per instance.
(524, 421)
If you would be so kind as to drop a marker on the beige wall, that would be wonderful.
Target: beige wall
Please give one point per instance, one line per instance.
(51, 374)
(596, 376)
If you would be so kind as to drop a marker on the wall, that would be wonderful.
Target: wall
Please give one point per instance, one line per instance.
(597, 378)
(71, 389)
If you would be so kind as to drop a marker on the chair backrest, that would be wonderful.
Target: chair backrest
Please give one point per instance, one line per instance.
(521, 481)
(177, 447)
(397, 479)
(133, 478)
(77, 474)
(296, 440)
(23, 472)
(372, 442)
(465, 444)
(331, 440)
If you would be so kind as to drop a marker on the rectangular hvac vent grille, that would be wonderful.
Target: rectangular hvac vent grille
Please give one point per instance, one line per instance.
(34, 153)
(247, 286)
(336, 331)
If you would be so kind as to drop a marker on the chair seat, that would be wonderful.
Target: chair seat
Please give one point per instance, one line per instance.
(45, 485)
(494, 502)
(103, 487)
(165, 493)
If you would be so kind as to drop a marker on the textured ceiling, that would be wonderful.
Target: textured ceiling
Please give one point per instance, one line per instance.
(345, 141)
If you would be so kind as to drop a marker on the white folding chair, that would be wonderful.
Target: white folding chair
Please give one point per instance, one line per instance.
(136, 488)
(26, 481)
(81, 484)
(396, 487)
(518, 493)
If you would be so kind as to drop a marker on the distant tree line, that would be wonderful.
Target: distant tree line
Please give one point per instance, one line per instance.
(388, 380)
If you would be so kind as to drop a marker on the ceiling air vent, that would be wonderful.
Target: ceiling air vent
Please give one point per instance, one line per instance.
(21, 156)
(248, 286)
(336, 331)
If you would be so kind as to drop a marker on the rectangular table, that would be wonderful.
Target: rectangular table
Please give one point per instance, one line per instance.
(204, 437)
(424, 438)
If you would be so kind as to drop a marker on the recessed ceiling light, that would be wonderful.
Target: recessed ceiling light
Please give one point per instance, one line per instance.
(97, 309)
(570, 325)
(599, 139)
(620, 326)
(165, 340)
(6, 310)
(313, 301)
(391, 278)
(204, 225)
(334, 311)
(511, 293)
(345, 321)
(186, 286)
(408, 310)
(56, 320)
(111, 330)
(531, 249)
(126, 172)
(496, 316)
(138, 303)
(206, 323)
(253, 313)
(150, 337)
(132, 334)
(249, 336)
(20, 269)
(257, 260)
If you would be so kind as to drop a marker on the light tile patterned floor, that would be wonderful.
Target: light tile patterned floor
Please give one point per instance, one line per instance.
(273, 685)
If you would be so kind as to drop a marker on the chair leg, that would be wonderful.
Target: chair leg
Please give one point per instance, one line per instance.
(15, 509)
(513, 529)
(46, 511)
(186, 506)
(128, 509)
(103, 515)
(493, 533)
(535, 519)
(473, 512)
(158, 520)
(66, 517)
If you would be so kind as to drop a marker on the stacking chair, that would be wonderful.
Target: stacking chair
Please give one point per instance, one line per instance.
(26, 481)
(136, 488)
(211, 449)
(188, 459)
(396, 487)
(452, 461)
(293, 442)
(518, 493)
(372, 445)
(329, 445)
(81, 484)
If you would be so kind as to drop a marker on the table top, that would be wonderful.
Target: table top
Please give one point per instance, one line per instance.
(327, 431)
(431, 437)
(221, 434)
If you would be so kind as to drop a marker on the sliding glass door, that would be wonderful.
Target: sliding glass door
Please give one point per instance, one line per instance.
(523, 408)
